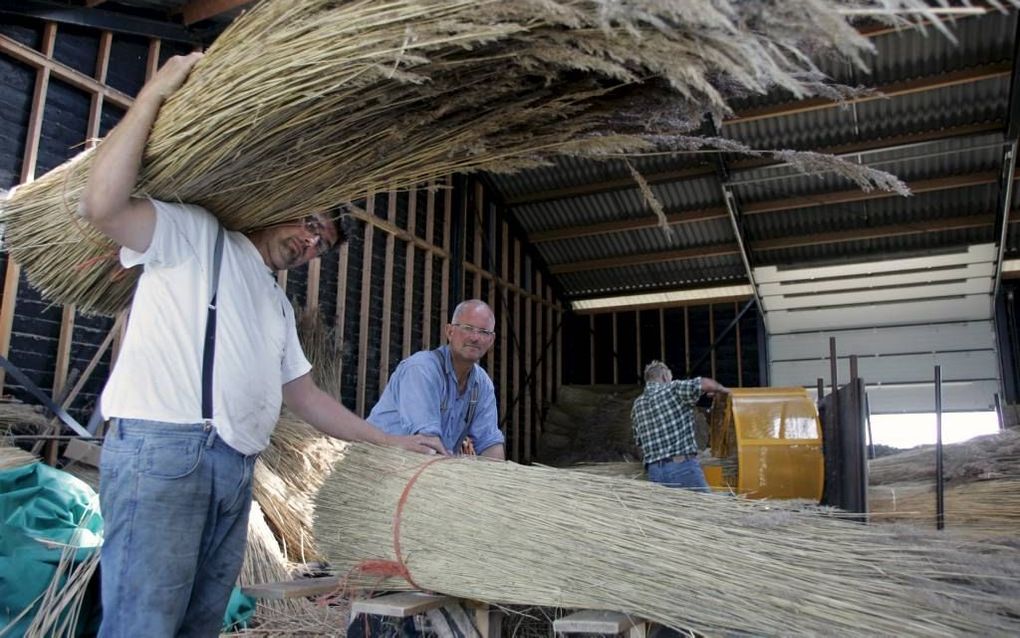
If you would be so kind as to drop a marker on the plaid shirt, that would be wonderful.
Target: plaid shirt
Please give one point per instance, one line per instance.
(663, 419)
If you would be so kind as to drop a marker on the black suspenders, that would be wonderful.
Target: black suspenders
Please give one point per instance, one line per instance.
(209, 349)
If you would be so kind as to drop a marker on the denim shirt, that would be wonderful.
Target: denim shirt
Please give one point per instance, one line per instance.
(416, 393)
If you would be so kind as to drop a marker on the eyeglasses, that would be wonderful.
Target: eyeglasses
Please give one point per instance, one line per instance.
(314, 227)
(471, 330)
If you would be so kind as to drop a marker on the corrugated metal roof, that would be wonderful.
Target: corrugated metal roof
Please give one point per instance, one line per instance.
(679, 274)
(640, 241)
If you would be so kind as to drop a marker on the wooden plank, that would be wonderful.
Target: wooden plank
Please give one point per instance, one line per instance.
(713, 250)
(474, 270)
(444, 298)
(888, 91)
(504, 323)
(595, 621)
(198, 10)
(637, 335)
(343, 257)
(96, 104)
(387, 300)
(363, 311)
(518, 357)
(152, 61)
(711, 337)
(290, 589)
(740, 356)
(401, 604)
(426, 313)
(477, 261)
(539, 380)
(687, 343)
(64, 341)
(312, 285)
(77, 79)
(83, 452)
(392, 229)
(409, 257)
(550, 390)
(12, 277)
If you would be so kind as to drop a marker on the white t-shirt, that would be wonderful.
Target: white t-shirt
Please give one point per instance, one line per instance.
(158, 375)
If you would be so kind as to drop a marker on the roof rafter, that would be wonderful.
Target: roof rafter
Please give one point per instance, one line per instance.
(198, 10)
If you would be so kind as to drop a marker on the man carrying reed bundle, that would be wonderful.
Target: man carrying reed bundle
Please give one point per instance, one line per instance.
(444, 392)
(187, 425)
(663, 421)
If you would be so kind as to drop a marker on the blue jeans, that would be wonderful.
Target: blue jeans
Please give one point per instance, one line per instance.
(686, 474)
(175, 502)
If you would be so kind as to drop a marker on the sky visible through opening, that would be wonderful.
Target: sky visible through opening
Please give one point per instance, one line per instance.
(910, 430)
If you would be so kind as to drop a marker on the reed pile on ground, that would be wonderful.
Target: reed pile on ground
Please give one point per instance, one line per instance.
(512, 534)
(981, 458)
(303, 105)
(21, 418)
(589, 424)
(264, 562)
(12, 457)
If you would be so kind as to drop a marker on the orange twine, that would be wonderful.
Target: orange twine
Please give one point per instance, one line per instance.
(386, 568)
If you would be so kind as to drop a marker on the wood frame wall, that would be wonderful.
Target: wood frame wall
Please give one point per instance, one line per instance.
(525, 360)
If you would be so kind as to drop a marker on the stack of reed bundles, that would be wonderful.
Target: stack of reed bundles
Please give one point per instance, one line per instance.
(982, 486)
(303, 105)
(511, 534)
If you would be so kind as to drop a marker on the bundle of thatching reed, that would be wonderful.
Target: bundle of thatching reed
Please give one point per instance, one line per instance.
(506, 533)
(977, 508)
(13, 457)
(301, 105)
(980, 458)
(21, 418)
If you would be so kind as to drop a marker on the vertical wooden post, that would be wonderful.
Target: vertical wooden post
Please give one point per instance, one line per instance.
(540, 353)
(479, 215)
(529, 397)
(687, 344)
(28, 164)
(550, 390)
(662, 337)
(740, 354)
(312, 285)
(504, 324)
(616, 358)
(366, 301)
(426, 313)
(444, 299)
(343, 256)
(591, 339)
(711, 338)
(387, 300)
(409, 258)
(519, 356)
(152, 63)
(637, 353)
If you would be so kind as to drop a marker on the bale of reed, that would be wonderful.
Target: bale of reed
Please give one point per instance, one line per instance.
(978, 508)
(302, 105)
(506, 533)
(980, 458)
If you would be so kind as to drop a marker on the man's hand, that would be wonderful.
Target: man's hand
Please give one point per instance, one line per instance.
(171, 75)
(418, 443)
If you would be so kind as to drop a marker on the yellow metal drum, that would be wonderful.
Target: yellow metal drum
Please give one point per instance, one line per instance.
(777, 440)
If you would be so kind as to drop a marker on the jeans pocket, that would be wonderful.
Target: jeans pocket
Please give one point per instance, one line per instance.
(171, 457)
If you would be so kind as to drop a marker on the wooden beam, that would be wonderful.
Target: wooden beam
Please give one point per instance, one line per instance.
(387, 300)
(426, 313)
(496, 281)
(687, 344)
(12, 276)
(409, 258)
(152, 62)
(711, 338)
(671, 304)
(364, 317)
(343, 257)
(504, 323)
(877, 232)
(740, 362)
(624, 225)
(715, 250)
(896, 89)
(515, 424)
(198, 10)
(38, 61)
(857, 195)
(479, 211)
(312, 285)
(444, 299)
(662, 340)
(64, 341)
(392, 229)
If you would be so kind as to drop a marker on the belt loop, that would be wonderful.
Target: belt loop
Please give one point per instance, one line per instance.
(212, 435)
(115, 424)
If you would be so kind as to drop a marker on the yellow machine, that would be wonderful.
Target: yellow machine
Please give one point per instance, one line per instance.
(767, 443)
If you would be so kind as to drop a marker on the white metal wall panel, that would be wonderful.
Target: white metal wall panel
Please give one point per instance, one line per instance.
(900, 318)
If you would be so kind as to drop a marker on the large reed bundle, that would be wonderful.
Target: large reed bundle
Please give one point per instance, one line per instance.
(979, 508)
(302, 105)
(980, 458)
(12, 457)
(287, 476)
(507, 533)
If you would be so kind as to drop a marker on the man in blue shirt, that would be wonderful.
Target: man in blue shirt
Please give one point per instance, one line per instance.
(444, 392)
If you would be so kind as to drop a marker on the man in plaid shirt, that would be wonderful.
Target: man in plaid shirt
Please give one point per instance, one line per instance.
(663, 420)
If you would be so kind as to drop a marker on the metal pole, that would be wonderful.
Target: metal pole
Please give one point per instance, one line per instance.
(940, 503)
